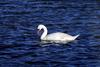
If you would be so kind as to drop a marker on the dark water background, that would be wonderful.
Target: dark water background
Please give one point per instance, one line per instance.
(20, 45)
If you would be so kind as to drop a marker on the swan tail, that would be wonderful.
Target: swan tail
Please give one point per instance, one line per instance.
(76, 36)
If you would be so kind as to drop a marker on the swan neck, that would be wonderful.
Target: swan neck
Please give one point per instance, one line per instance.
(44, 33)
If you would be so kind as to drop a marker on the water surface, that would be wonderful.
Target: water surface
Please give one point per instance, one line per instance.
(20, 46)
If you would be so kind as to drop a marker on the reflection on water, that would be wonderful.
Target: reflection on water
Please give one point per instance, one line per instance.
(21, 46)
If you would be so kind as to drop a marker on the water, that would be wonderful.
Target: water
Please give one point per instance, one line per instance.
(20, 46)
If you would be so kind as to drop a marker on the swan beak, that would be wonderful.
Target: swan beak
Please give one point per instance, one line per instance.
(38, 31)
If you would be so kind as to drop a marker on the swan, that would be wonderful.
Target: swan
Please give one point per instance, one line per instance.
(55, 37)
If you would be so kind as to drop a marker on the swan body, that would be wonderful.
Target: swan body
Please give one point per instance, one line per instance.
(55, 37)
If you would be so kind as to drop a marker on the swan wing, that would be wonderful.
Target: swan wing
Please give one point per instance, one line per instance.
(58, 36)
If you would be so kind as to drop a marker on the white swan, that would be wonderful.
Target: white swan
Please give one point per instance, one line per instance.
(55, 37)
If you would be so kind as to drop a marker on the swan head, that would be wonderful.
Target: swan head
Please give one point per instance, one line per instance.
(40, 27)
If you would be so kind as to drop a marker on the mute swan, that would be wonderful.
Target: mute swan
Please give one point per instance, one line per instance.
(55, 37)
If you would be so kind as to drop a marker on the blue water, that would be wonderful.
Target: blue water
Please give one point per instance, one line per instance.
(20, 46)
